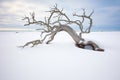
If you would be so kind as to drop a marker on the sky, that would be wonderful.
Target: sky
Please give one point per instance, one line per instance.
(106, 12)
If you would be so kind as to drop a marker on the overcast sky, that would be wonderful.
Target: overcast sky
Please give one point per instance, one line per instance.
(106, 15)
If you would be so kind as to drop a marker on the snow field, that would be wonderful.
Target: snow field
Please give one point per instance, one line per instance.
(60, 60)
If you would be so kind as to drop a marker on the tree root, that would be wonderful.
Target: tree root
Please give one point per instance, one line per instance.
(94, 46)
(35, 42)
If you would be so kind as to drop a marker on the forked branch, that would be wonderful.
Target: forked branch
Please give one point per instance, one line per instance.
(84, 16)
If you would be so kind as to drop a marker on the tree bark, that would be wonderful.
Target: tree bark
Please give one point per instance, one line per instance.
(72, 33)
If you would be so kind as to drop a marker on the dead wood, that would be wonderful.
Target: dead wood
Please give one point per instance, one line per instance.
(62, 23)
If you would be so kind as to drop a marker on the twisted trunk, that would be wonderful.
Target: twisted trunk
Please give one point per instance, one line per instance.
(71, 32)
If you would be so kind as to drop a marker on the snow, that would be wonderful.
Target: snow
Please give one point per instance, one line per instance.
(60, 60)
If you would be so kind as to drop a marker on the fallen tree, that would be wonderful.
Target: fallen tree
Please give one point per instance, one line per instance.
(59, 21)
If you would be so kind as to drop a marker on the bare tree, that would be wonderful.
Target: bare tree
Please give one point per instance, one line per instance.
(59, 21)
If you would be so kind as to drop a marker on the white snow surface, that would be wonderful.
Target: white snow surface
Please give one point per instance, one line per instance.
(59, 60)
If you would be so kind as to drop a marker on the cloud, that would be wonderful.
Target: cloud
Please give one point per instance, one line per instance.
(12, 11)
(19, 7)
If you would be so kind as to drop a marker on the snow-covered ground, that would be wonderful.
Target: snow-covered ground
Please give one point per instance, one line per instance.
(60, 60)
